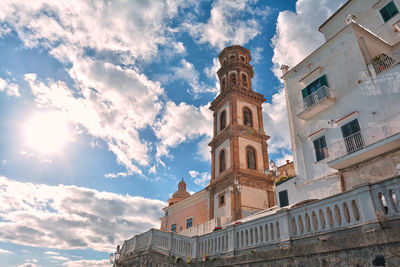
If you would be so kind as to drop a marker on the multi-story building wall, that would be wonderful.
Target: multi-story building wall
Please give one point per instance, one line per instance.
(343, 103)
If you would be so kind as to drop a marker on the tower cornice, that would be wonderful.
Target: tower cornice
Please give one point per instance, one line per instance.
(236, 90)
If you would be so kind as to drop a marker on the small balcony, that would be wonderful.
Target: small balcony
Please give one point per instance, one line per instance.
(381, 137)
(383, 62)
(316, 102)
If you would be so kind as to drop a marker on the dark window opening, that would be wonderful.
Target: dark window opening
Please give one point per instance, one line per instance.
(244, 80)
(173, 228)
(389, 11)
(189, 223)
(222, 120)
(222, 161)
(352, 135)
(223, 83)
(242, 58)
(247, 118)
(321, 150)
(251, 158)
(222, 200)
(283, 198)
(233, 78)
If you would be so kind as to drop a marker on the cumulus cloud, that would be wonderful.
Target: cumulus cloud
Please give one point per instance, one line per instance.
(11, 89)
(70, 217)
(230, 22)
(276, 124)
(115, 175)
(4, 251)
(84, 263)
(201, 179)
(297, 32)
(180, 123)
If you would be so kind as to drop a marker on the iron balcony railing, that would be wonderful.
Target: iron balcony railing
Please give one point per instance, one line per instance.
(378, 131)
(322, 93)
(384, 62)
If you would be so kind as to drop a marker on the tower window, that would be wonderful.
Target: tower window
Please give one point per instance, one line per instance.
(232, 57)
(244, 79)
(247, 117)
(223, 83)
(222, 161)
(389, 11)
(233, 78)
(242, 58)
(251, 158)
(221, 200)
(222, 120)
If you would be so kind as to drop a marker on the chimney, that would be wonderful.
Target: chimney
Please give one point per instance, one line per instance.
(351, 19)
(284, 69)
(287, 161)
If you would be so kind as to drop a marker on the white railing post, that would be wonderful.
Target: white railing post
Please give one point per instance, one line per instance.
(365, 203)
(195, 242)
(284, 227)
(231, 240)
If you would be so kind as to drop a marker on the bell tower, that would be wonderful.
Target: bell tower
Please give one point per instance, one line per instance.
(239, 185)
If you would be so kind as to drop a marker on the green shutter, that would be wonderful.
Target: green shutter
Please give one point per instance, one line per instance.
(304, 92)
(389, 11)
(323, 81)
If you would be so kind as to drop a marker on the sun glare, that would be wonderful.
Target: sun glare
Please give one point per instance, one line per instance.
(47, 132)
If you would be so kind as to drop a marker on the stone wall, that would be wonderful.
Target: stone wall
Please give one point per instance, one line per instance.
(377, 245)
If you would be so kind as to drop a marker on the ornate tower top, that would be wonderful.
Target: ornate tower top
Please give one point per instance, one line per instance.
(235, 74)
(180, 194)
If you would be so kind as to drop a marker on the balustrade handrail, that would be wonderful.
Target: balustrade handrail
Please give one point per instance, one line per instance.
(364, 204)
(367, 136)
(316, 96)
(383, 62)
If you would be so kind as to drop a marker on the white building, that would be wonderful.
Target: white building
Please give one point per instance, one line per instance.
(343, 103)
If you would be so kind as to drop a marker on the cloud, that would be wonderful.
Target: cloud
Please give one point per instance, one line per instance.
(59, 258)
(200, 178)
(276, 124)
(87, 263)
(51, 253)
(188, 73)
(230, 22)
(297, 32)
(180, 123)
(11, 89)
(3, 251)
(70, 217)
(115, 175)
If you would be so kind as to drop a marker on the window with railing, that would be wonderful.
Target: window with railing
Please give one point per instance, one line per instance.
(315, 92)
(352, 136)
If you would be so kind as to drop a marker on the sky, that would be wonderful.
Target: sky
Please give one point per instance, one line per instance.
(104, 108)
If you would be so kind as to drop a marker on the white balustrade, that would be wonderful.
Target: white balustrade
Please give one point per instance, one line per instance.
(384, 62)
(364, 205)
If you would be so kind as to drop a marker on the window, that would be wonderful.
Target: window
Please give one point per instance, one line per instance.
(251, 158)
(315, 92)
(247, 118)
(173, 228)
(389, 11)
(233, 78)
(242, 58)
(232, 57)
(283, 198)
(222, 120)
(223, 83)
(222, 161)
(321, 150)
(244, 79)
(189, 223)
(352, 136)
(221, 201)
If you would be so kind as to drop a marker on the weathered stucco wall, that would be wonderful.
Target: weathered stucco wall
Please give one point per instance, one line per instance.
(371, 171)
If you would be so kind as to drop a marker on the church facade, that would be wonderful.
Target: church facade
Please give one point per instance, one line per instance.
(240, 180)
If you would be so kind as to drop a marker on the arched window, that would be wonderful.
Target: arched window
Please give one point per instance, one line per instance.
(221, 161)
(251, 158)
(233, 78)
(242, 58)
(232, 57)
(247, 118)
(244, 79)
(222, 120)
(223, 83)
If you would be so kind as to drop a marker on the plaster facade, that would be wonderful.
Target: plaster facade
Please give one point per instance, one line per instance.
(354, 85)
